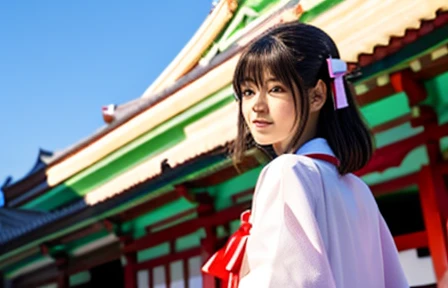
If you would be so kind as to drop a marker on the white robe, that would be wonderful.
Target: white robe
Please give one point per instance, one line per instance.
(312, 227)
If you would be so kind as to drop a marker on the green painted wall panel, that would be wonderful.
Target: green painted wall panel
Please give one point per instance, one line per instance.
(438, 96)
(234, 225)
(396, 134)
(221, 232)
(137, 226)
(177, 222)
(444, 144)
(224, 191)
(153, 252)
(79, 278)
(387, 109)
(188, 242)
(181, 244)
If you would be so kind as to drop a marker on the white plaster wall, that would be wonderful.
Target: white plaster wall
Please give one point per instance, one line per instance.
(194, 265)
(418, 271)
(159, 277)
(142, 279)
(176, 274)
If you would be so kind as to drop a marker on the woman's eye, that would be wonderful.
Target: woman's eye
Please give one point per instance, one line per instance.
(277, 89)
(247, 92)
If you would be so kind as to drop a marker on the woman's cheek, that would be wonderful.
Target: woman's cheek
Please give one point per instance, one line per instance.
(285, 113)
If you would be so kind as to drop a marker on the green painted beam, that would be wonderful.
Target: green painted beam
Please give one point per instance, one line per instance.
(241, 19)
(72, 246)
(319, 9)
(155, 141)
(11, 269)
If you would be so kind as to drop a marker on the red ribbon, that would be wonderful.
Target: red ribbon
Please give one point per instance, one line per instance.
(226, 263)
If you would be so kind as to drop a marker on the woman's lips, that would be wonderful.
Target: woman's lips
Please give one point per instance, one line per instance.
(261, 123)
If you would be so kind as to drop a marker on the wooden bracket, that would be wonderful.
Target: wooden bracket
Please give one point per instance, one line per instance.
(423, 115)
(407, 81)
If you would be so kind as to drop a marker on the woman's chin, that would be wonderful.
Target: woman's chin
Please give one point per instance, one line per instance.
(262, 141)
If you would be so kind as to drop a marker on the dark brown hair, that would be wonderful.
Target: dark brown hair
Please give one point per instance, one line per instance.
(296, 53)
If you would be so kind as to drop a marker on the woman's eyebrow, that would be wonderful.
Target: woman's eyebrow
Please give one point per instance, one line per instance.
(272, 79)
(249, 80)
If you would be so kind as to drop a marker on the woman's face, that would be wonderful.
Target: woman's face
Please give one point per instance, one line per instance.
(269, 112)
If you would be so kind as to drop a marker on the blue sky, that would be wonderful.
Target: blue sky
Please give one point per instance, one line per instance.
(61, 61)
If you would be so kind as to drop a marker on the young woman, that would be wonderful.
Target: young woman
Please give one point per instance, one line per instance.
(313, 223)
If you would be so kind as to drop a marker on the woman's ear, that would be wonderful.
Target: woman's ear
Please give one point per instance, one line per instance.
(318, 96)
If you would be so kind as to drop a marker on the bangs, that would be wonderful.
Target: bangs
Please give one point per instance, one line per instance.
(266, 58)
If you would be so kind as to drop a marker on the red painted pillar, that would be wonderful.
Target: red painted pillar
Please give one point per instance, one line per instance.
(151, 278)
(186, 272)
(63, 280)
(207, 250)
(434, 202)
(130, 275)
(167, 275)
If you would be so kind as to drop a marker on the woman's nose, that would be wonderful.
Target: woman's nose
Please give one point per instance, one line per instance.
(260, 104)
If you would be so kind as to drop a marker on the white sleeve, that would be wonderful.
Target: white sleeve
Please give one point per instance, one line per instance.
(393, 273)
(285, 248)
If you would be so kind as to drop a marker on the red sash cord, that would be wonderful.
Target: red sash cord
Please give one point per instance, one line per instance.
(226, 263)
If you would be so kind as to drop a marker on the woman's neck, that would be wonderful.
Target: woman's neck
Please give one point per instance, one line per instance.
(280, 148)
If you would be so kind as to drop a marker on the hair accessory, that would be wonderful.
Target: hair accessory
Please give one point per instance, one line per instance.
(337, 69)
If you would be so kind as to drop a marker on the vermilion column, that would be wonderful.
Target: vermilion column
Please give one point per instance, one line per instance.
(434, 202)
(207, 249)
(63, 280)
(130, 275)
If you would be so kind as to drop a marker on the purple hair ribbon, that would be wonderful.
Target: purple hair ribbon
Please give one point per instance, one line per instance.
(337, 69)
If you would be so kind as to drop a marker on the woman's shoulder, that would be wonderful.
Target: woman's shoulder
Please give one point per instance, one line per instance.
(287, 163)
(291, 175)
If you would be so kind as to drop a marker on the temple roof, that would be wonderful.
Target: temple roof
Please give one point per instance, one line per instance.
(17, 222)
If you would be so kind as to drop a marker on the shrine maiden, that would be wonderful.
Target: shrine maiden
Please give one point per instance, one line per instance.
(313, 223)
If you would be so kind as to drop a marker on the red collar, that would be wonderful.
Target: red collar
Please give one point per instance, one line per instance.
(325, 157)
